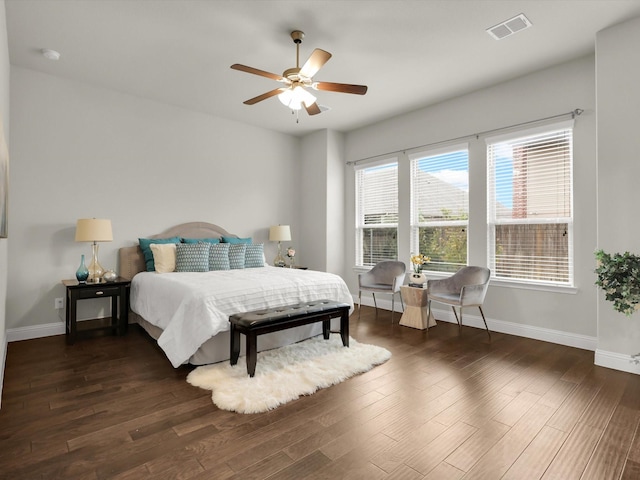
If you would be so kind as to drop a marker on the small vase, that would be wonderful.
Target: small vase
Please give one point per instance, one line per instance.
(417, 278)
(83, 272)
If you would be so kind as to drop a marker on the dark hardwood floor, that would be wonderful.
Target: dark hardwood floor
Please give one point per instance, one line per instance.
(448, 405)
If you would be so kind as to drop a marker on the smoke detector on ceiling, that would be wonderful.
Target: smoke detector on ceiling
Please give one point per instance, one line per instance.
(50, 54)
(509, 27)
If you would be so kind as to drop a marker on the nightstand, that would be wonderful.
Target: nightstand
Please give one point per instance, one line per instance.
(117, 290)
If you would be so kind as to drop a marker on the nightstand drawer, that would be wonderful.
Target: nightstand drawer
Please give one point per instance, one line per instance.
(98, 292)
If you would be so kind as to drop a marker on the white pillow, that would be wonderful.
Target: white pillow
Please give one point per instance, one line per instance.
(164, 256)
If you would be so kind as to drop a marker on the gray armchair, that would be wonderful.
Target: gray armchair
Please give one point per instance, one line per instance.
(465, 288)
(385, 277)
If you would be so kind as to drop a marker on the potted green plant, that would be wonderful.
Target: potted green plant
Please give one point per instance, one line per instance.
(619, 278)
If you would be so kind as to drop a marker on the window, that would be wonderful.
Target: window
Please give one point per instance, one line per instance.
(440, 207)
(530, 206)
(377, 213)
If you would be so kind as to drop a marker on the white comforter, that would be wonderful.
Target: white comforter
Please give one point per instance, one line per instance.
(193, 307)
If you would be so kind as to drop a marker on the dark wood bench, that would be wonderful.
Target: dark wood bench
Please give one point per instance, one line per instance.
(269, 320)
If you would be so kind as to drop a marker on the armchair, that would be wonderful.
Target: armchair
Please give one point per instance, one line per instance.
(385, 277)
(465, 288)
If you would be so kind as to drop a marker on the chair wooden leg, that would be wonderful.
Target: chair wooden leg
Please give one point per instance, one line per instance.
(374, 302)
(485, 321)
(401, 302)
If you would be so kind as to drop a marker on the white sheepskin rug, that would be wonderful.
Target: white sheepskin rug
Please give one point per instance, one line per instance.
(285, 373)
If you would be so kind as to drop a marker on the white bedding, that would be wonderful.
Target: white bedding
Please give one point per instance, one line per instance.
(193, 307)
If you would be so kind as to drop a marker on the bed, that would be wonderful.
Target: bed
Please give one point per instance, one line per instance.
(187, 312)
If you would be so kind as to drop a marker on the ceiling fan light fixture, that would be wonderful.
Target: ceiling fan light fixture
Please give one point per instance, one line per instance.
(296, 96)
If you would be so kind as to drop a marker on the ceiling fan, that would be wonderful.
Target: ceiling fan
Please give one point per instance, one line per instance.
(297, 80)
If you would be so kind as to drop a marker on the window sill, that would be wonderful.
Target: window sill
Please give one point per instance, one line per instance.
(569, 290)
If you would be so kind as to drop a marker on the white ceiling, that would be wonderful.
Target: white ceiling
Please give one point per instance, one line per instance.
(410, 53)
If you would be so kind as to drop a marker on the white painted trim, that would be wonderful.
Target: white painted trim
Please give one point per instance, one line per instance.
(537, 333)
(617, 361)
(35, 331)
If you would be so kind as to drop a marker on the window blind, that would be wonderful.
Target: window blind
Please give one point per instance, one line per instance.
(440, 208)
(376, 213)
(530, 207)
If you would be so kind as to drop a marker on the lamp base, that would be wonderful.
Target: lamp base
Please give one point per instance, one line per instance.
(95, 269)
(279, 260)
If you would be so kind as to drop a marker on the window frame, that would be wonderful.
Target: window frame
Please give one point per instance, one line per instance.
(360, 224)
(493, 221)
(415, 225)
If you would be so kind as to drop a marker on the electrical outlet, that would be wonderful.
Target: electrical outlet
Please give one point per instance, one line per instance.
(59, 303)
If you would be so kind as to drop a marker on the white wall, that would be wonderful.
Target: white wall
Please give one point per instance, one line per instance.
(80, 151)
(322, 199)
(4, 109)
(312, 235)
(564, 317)
(618, 100)
(335, 188)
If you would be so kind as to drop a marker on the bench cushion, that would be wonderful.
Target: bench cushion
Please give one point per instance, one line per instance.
(270, 316)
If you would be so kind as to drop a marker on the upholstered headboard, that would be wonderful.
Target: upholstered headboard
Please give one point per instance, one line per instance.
(132, 260)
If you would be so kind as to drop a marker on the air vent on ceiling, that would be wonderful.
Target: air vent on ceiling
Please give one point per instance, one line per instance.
(509, 27)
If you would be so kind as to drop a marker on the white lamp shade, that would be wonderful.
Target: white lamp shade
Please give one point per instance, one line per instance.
(294, 98)
(280, 233)
(93, 230)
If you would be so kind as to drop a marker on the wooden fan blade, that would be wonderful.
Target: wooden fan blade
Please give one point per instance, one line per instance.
(341, 87)
(315, 62)
(313, 109)
(264, 96)
(255, 71)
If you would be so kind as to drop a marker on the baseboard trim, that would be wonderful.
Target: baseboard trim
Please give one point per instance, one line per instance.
(584, 342)
(559, 337)
(617, 361)
(35, 331)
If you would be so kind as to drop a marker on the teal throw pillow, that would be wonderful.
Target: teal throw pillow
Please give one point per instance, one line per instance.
(192, 257)
(200, 240)
(254, 256)
(219, 256)
(233, 240)
(145, 246)
(236, 255)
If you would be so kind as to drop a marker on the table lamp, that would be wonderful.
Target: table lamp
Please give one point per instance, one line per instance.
(279, 233)
(94, 230)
